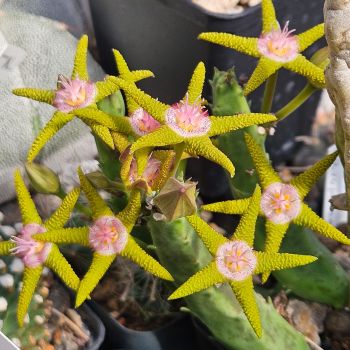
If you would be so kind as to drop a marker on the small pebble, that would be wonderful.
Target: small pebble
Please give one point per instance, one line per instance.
(26, 319)
(8, 231)
(39, 319)
(2, 265)
(16, 341)
(20, 285)
(2, 217)
(18, 226)
(7, 281)
(38, 298)
(17, 266)
(3, 304)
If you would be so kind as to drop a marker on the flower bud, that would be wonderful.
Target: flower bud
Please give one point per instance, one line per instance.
(177, 199)
(43, 179)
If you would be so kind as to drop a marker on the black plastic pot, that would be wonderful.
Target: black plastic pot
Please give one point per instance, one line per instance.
(162, 35)
(94, 325)
(178, 334)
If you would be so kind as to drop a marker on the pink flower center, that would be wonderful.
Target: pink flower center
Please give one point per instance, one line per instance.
(279, 45)
(33, 253)
(236, 260)
(73, 93)
(142, 122)
(187, 119)
(150, 173)
(108, 235)
(280, 203)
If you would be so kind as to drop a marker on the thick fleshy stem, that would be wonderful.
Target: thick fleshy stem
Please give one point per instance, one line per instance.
(296, 102)
(81, 208)
(179, 150)
(269, 93)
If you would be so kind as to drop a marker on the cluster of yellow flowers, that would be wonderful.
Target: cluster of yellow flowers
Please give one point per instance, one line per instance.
(151, 140)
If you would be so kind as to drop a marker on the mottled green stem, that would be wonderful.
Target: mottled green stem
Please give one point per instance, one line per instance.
(269, 93)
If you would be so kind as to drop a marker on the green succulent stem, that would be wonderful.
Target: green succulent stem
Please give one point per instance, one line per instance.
(296, 102)
(179, 150)
(269, 93)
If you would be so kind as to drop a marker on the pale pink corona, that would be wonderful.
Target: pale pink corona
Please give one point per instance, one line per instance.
(108, 235)
(279, 45)
(280, 203)
(143, 123)
(73, 93)
(236, 260)
(150, 173)
(33, 253)
(188, 119)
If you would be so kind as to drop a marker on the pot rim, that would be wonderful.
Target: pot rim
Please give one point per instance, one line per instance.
(224, 16)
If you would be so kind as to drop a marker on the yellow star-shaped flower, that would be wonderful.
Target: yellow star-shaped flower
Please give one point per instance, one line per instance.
(187, 123)
(235, 261)
(108, 236)
(147, 171)
(282, 203)
(72, 95)
(34, 254)
(275, 48)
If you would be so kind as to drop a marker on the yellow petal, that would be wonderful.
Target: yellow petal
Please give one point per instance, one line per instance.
(58, 121)
(261, 73)
(58, 263)
(105, 88)
(154, 107)
(75, 235)
(26, 205)
(212, 239)
(308, 178)
(5, 247)
(103, 133)
(246, 228)
(135, 253)
(274, 236)
(131, 212)
(222, 125)
(268, 261)
(31, 279)
(310, 219)
(195, 86)
(99, 266)
(238, 206)
(121, 142)
(203, 279)
(167, 162)
(202, 146)
(97, 204)
(59, 218)
(269, 21)
(309, 70)
(308, 37)
(46, 96)
(163, 136)
(244, 292)
(80, 60)
(267, 175)
(248, 46)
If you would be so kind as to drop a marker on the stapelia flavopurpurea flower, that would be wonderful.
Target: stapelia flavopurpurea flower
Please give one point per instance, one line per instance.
(282, 203)
(235, 261)
(72, 96)
(36, 254)
(275, 48)
(108, 237)
(188, 122)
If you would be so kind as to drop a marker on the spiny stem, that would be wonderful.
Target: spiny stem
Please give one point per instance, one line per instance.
(296, 102)
(269, 93)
